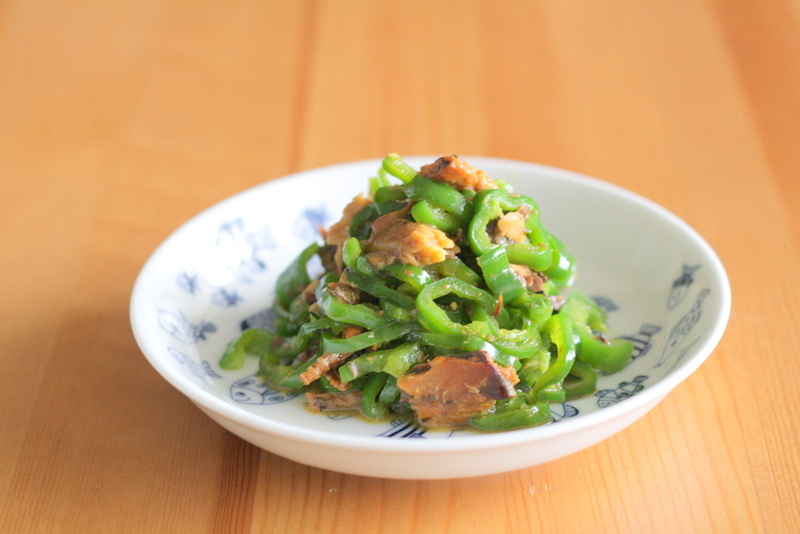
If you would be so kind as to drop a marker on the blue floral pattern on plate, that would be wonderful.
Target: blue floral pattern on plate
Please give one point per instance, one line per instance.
(244, 249)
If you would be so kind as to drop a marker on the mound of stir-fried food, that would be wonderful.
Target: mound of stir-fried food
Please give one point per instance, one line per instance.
(440, 299)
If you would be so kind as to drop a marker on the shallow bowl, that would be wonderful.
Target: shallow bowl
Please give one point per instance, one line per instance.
(662, 285)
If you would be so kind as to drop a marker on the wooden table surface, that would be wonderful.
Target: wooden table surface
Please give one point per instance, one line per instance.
(120, 120)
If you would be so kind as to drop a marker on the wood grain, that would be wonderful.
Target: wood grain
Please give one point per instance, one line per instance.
(120, 120)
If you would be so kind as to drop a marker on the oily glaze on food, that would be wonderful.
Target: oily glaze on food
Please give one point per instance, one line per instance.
(442, 300)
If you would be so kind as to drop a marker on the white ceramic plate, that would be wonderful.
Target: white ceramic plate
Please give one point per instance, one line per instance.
(661, 283)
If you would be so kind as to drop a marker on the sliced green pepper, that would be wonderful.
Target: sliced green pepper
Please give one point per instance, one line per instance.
(395, 361)
(389, 332)
(416, 277)
(581, 381)
(426, 212)
(371, 407)
(252, 340)
(523, 416)
(441, 194)
(457, 268)
(499, 276)
(378, 288)
(587, 317)
(294, 279)
(387, 193)
(398, 168)
(606, 357)
(437, 320)
(357, 314)
(560, 331)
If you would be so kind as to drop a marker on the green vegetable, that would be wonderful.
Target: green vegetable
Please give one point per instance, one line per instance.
(499, 276)
(374, 322)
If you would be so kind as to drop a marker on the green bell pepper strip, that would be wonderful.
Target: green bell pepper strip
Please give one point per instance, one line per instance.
(441, 194)
(562, 267)
(560, 331)
(457, 268)
(377, 288)
(489, 205)
(294, 278)
(383, 177)
(523, 416)
(398, 168)
(521, 344)
(371, 407)
(435, 319)
(584, 311)
(581, 381)
(587, 317)
(379, 336)
(288, 321)
(505, 186)
(286, 376)
(289, 347)
(537, 257)
(390, 392)
(358, 314)
(552, 393)
(351, 251)
(387, 193)
(416, 277)
(362, 266)
(252, 340)
(533, 367)
(535, 309)
(500, 352)
(426, 212)
(396, 313)
(499, 276)
(374, 184)
(395, 361)
(271, 348)
(607, 357)
(458, 342)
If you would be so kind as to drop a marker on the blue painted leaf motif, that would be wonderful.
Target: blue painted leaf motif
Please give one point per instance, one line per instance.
(562, 411)
(681, 330)
(189, 282)
(681, 285)
(209, 371)
(178, 326)
(200, 370)
(312, 220)
(403, 428)
(684, 350)
(252, 390)
(642, 340)
(240, 248)
(605, 303)
(607, 397)
(225, 298)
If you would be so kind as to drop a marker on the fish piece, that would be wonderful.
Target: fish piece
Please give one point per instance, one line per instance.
(329, 360)
(449, 390)
(510, 227)
(456, 172)
(340, 231)
(533, 280)
(320, 402)
(395, 239)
